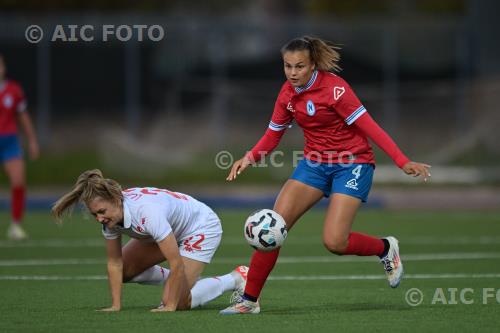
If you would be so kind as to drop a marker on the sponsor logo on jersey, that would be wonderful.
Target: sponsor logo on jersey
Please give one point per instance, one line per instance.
(289, 107)
(8, 101)
(311, 110)
(352, 184)
(337, 92)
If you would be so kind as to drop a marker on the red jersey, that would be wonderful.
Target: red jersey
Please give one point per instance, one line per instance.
(327, 110)
(11, 101)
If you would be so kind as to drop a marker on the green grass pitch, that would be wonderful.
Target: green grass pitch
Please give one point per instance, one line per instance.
(56, 280)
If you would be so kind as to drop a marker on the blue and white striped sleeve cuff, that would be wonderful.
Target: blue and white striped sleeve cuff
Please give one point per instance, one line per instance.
(355, 115)
(277, 127)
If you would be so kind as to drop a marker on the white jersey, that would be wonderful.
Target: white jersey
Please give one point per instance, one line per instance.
(152, 213)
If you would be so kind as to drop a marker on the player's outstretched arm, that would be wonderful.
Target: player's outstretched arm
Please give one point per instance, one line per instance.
(238, 167)
(176, 287)
(115, 273)
(416, 169)
(266, 144)
(372, 130)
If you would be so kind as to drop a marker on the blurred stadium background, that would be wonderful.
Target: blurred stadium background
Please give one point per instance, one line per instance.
(427, 71)
(157, 113)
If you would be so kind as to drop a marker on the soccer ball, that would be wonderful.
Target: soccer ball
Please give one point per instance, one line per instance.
(265, 230)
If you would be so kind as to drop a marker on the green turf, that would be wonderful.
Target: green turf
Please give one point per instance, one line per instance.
(332, 305)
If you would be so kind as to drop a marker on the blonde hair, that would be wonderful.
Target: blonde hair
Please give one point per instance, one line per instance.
(323, 53)
(90, 185)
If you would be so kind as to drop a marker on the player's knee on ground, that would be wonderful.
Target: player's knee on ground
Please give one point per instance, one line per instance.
(128, 274)
(335, 245)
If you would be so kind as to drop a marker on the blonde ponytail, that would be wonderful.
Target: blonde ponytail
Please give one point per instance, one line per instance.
(89, 185)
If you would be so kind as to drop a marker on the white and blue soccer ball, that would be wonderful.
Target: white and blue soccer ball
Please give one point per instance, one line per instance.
(265, 230)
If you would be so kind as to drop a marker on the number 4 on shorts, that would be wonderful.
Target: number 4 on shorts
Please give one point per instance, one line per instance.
(357, 171)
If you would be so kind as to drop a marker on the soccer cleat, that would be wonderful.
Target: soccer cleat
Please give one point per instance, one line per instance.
(16, 232)
(243, 307)
(239, 274)
(392, 263)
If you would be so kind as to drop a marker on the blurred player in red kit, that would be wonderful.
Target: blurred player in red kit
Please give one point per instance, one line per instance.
(13, 109)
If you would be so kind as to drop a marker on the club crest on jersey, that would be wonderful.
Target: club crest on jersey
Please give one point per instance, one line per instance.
(337, 92)
(311, 110)
(8, 101)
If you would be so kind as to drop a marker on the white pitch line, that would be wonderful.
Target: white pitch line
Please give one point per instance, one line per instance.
(382, 277)
(236, 241)
(408, 257)
(272, 278)
(51, 262)
(355, 259)
(52, 277)
(281, 260)
(54, 243)
(418, 240)
(459, 240)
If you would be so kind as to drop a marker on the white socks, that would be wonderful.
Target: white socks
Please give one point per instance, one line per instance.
(203, 291)
(153, 275)
(208, 289)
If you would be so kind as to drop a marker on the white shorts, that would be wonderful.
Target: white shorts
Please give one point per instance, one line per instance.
(202, 244)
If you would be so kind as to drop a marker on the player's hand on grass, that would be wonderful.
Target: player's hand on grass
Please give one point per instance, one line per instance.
(162, 308)
(238, 167)
(416, 169)
(110, 309)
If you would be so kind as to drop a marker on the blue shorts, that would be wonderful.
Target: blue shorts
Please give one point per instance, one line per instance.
(350, 179)
(10, 148)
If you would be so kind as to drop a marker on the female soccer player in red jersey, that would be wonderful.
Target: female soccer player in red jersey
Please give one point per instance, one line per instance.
(12, 107)
(338, 163)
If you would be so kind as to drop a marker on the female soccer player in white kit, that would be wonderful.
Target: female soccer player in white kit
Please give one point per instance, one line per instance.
(163, 225)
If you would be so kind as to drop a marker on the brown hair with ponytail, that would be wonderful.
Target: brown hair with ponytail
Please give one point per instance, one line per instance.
(323, 53)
